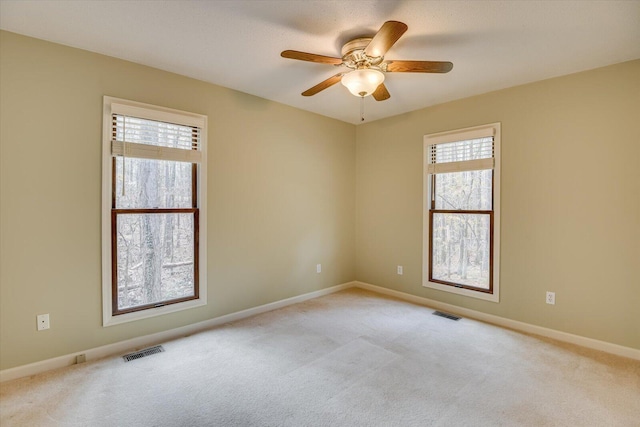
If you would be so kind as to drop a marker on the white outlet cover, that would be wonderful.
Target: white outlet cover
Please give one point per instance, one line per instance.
(400, 270)
(43, 322)
(318, 268)
(551, 298)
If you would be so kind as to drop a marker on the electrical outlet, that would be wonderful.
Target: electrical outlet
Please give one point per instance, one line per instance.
(318, 268)
(551, 298)
(43, 321)
(400, 270)
(81, 358)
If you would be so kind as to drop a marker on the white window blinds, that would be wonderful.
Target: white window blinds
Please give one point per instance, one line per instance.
(165, 136)
(472, 150)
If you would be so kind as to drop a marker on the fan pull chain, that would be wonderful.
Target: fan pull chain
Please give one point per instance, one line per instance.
(362, 108)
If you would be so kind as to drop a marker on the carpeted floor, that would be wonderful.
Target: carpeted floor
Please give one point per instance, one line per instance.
(352, 358)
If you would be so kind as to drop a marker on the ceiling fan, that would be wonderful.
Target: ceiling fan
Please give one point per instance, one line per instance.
(364, 56)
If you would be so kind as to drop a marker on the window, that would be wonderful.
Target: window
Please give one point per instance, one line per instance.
(154, 173)
(462, 211)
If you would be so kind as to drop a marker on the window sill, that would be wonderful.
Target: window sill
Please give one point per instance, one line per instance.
(110, 320)
(495, 297)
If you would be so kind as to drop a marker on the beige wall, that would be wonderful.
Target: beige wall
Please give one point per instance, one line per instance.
(281, 196)
(570, 201)
(289, 189)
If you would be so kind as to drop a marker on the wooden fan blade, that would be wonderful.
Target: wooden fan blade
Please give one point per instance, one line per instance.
(323, 85)
(311, 57)
(419, 66)
(386, 37)
(381, 93)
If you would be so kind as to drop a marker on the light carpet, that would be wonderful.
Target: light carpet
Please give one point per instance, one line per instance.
(352, 358)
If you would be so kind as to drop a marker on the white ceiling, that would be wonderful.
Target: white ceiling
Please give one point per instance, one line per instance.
(237, 44)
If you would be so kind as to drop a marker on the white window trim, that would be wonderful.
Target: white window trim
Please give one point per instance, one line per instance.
(152, 112)
(452, 136)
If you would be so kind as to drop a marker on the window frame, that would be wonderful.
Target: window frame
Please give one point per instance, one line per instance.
(492, 294)
(115, 212)
(111, 316)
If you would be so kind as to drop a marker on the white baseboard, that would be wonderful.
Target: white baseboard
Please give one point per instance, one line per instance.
(607, 347)
(159, 337)
(148, 340)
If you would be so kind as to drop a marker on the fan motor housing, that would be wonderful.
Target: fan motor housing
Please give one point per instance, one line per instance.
(353, 55)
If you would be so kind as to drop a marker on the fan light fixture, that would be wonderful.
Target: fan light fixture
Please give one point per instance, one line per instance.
(363, 82)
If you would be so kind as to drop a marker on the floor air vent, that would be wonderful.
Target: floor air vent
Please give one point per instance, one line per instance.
(446, 315)
(143, 353)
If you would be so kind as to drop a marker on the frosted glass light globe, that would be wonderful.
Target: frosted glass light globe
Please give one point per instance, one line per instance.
(363, 82)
